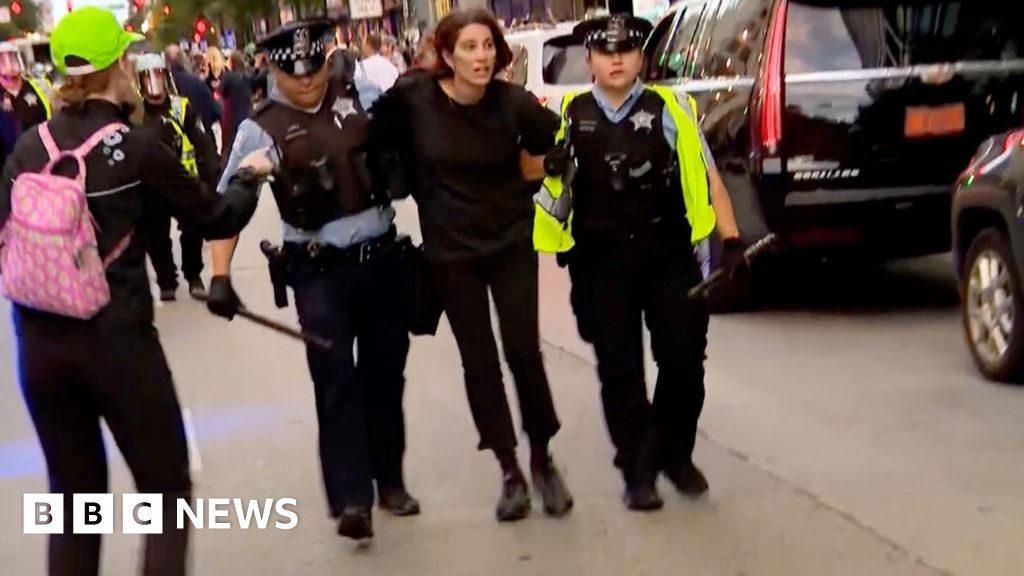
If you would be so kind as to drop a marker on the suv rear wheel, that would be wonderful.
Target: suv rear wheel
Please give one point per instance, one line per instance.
(993, 307)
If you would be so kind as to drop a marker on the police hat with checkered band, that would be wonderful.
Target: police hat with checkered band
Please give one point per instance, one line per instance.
(297, 48)
(616, 33)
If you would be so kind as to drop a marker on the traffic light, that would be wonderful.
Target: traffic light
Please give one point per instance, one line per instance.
(16, 8)
(201, 26)
(167, 9)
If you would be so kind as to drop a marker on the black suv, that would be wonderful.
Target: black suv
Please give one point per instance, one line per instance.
(988, 208)
(842, 126)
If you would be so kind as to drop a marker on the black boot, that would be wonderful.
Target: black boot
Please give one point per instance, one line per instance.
(688, 479)
(398, 502)
(514, 503)
(196, 288)
(169, 294)
(642, 497)
(548, 483)
(356, 522)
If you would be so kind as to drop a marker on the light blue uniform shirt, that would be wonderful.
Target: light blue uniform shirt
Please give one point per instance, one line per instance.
(668, 125)
(341, 233)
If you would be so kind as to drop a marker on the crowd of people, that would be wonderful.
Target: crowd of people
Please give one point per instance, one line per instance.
(629, 192)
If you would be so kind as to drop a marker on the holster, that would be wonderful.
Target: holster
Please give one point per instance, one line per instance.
(277, 263)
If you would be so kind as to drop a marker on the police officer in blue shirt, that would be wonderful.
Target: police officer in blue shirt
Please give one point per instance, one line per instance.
(344, 264)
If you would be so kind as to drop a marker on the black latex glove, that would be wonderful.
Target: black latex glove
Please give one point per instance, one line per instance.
(733, 260)
(221, 299)
(556, 160)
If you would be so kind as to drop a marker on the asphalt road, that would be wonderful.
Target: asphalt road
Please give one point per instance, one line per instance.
(845, 432)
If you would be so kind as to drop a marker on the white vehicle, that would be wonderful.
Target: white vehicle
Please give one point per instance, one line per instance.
(548, 62)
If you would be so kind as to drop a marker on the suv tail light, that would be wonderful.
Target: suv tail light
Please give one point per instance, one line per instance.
(988, 156)
(771, 104)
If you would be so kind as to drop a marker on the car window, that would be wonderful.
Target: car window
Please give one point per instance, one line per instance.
(656, 49)
(518, 71)
(683, 54)
(565, 62)
(736, 39)
(900, 34)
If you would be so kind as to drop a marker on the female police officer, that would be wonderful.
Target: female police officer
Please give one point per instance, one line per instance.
(344, 265)
(75, 372)
(645, 193)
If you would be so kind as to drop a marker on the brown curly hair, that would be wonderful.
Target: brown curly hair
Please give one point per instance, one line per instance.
(446, 36)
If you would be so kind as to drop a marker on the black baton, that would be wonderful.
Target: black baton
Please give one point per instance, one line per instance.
(315, 340)
(716, 277)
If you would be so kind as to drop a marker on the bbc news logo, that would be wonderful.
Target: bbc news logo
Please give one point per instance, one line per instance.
(143, 513)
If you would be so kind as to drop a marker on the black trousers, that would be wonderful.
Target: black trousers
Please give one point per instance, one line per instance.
(511, 276)
(612, 294)
(162, 256)
(358, 398)
(72, 375)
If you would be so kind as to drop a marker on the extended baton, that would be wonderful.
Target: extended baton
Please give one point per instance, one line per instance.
(315, 340)
(716, 277)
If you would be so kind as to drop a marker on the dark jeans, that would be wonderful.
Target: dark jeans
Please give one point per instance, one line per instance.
(511, 276)
(358, 400)
(611, 298)
(162, 256)
(72, 375)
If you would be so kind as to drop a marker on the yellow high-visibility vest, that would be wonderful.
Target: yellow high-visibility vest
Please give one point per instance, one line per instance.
(179, 105)
(552, 222)
(43, 96)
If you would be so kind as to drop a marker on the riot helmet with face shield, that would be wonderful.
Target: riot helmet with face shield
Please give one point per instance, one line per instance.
(154, 79)
(12, 66)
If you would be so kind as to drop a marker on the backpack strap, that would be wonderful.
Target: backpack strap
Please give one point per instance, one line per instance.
(56, 154)
(52, 150)
(82, 151)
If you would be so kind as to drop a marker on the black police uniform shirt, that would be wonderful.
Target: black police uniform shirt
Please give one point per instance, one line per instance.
(125, 174)
(18, 113)
(463, 162)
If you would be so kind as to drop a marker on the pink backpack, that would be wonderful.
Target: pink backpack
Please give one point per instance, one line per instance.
(49, 259)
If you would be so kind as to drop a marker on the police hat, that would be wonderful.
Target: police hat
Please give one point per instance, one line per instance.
(616, 33)
(297, 48)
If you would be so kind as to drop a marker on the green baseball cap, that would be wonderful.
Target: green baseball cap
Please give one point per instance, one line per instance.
(93, 36)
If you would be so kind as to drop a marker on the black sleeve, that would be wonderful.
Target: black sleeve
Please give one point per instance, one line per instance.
(194, 203)
(206, 153)
(389, 145)
(12, 168)
(537, 125)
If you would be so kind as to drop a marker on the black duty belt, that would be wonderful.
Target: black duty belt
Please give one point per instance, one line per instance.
(355, 254)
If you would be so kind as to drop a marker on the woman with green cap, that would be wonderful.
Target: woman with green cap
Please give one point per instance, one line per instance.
(111, 366)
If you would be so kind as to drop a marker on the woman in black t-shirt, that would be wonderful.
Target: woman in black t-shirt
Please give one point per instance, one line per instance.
(459, 134)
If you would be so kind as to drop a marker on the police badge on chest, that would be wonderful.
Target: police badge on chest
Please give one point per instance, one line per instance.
(343, 108)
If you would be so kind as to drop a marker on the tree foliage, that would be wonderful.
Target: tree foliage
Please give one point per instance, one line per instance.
(20, 24)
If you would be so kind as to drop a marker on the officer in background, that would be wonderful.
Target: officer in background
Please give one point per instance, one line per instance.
(644, 194)
(345, 266)
(26, 101)
(178, 126)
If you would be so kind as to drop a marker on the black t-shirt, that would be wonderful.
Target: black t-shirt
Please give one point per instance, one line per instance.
(463, 162)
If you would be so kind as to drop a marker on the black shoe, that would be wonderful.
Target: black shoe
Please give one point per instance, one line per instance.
(399, 502)
(514, 503)
(168, 294)
(548, 483)
(196, 288)
(688, 479)
(643, 498)
(356, 523)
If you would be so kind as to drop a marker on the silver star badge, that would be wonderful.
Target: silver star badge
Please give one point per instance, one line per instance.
(642, 119)
(31, 99)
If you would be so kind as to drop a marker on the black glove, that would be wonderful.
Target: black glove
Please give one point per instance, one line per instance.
(221, 299)
(556, 160)
(733, 259)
